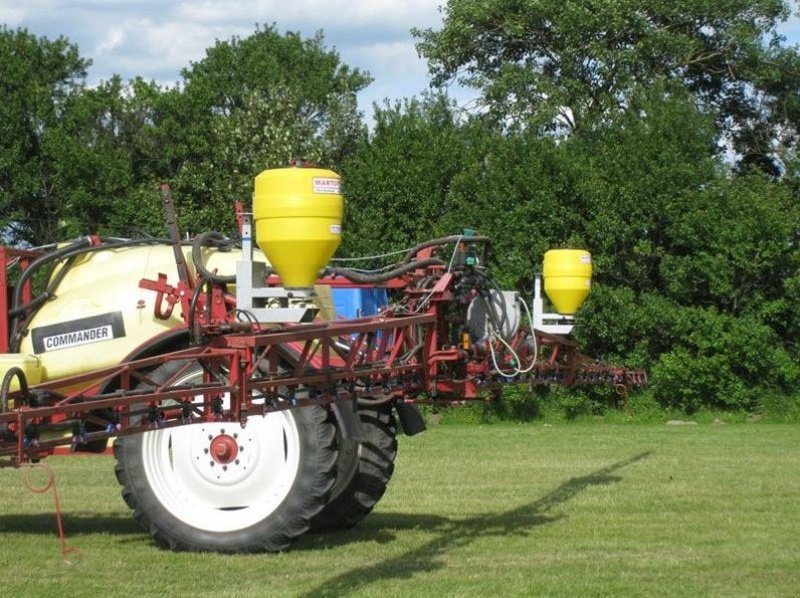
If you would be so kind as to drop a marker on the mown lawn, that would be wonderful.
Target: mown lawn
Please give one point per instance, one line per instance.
(500, 510)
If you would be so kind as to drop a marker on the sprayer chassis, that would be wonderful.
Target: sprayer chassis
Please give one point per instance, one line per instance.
(392, 358)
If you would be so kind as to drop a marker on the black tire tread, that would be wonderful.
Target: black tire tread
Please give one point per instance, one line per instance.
(375, 469)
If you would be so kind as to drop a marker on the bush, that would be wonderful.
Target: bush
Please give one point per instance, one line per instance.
(688, 382)
(778, 407)
(720, 362)
(518, 403)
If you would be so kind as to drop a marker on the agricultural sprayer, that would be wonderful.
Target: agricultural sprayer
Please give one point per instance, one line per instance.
(239, 417)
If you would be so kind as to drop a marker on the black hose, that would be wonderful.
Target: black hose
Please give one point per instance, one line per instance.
(213, 239)
(30, 305)
(5, 387)
(361, 277)
(74, 249)
(18, 311)
(46, 294)
(44, 259)
(442, 241)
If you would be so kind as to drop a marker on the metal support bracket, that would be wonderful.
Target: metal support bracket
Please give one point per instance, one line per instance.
(548, 322)
(268, 304)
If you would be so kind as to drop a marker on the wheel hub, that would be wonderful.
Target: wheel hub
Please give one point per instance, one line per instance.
(224, 453)
(224, 449)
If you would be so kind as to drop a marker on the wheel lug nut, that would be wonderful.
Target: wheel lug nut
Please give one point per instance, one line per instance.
(205, 450)
(212, 463)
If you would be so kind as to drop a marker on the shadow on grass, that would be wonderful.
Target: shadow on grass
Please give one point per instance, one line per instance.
(378, 527)
(451, 533)
(75, 524)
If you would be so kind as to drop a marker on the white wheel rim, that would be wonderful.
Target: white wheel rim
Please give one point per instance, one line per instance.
(234, 490)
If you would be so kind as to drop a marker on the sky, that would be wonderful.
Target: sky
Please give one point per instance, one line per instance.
(157, 38)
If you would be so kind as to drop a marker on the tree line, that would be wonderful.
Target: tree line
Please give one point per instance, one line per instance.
(661, 136)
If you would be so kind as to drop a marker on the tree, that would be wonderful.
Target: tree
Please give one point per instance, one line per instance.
(397, 181)
(695, 269)
(39, 78)
(574, 63)
(255, 103)
(78, 160)
(91, 158)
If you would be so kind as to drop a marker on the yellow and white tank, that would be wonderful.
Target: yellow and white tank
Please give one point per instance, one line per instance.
(99, 315)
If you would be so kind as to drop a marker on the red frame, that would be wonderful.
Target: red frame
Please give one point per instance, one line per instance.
(7, 255)
(399, 355)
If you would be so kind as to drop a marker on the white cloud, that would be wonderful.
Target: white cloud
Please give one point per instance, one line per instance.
(318, 14)
(112, 40)
(11, 16)
(157, 38)
(157, 47)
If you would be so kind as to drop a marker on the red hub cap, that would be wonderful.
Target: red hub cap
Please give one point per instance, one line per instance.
(224, 449)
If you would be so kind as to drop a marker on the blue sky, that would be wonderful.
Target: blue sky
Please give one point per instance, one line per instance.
(156, 38)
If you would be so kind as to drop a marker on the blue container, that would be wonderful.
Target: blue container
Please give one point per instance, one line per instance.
(358, 303)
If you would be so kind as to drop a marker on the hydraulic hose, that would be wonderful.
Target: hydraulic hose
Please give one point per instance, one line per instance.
(5, 388)
(34, 303)
(213, 239)
(361, 277)
(81, 246)
(442, 241)
(44, 259)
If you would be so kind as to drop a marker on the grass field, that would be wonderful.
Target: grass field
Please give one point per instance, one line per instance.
(500, 510)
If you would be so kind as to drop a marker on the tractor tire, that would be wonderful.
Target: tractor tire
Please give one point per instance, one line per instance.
(365, 469)
(276, 476)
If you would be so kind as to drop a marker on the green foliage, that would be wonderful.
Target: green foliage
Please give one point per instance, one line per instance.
(91, 168)
(41, 81)
(687, 381)
(629, 174)
(721, 361)
(780, 407)
(518, 403)
(78, 160)
(397, 181)
(728, 245)
(255, 103)
(692, 266)
(576, 63)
